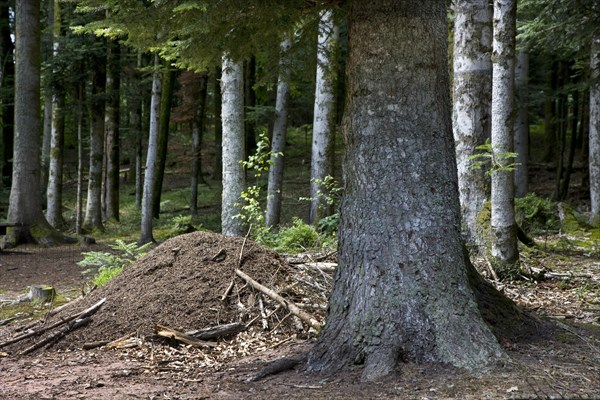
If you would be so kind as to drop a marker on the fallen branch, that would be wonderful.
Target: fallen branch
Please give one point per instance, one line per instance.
(85, 313)
(291, 307)
(181, 336)
(124, 342)
(219, 331)
(93, 345)
(56, 336)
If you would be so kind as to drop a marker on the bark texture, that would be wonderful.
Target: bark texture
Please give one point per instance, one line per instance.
(113, 90)
(401, 290)
(522, 124)
(8, 92)
(275, 186)
(197, 133)
(57, 133)
(93, 210)
(471, 108)
(503, 227)
(151, 157)
(594, 134)
(232, 116)
(25, 203)
(324, 116)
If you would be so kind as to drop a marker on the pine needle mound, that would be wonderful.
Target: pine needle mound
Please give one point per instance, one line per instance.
(179, 284)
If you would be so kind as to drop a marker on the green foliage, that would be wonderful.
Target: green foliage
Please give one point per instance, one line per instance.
(297, 238)
(492, 159)
(182, 224)
(110, 265)
(260, 161)
(537, 214)
(330, 224)
(329, 190)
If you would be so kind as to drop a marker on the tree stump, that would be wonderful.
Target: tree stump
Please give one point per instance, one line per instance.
(41, 293)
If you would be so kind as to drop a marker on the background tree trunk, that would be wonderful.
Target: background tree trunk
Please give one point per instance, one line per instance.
(151, 158)
(93, 209)
(472, 106)
(8, 92)
(504, 230)
(522, 124)
(324, 117)
(113, 110)
(197, 133)
(401, 292)
(80, 158)
(25, 204)
(54, 198)
(249, 104)
(163, 138)
(47, 46)
(217, 103)
(594, 112)
(232, 115)
(275, 186)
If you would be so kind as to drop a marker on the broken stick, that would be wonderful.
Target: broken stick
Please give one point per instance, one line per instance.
(85, 313)
(291, 307)
(56, 336)
(181, 336)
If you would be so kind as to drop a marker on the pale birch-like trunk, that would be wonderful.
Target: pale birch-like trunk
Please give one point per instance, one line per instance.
(522, 124)
(151, 157)
(232, 116)
(25, 203)
(401, 291)
(503, 227)
(471, 108)
(93, 209)
(594, 152)
(275, 185)
(323, 135)
(54, 196)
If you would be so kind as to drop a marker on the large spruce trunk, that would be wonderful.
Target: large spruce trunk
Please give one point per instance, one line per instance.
(471, 107)
(401, 289)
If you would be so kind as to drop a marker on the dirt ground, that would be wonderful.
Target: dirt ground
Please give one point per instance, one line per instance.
(563, 362)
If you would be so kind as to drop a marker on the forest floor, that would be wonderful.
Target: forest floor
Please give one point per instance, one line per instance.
(179, 285)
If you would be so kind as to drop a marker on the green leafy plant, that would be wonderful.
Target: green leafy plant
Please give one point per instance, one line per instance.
(537, 214)
(182, 224)
(109, 264)
(493, 159)
(296, 238)
(330, 224)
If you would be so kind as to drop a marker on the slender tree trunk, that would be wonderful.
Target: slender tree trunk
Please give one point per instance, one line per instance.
(217, 103)
(93, 209)
(197, 133)
(48, 99)
(25, 204)
(561, 123)
(504, 230)
(80, 158)
(136, 133)
(275, 186)
(401, 292)
(113, 89)
(55, 175)
(522, 124)
(550, 115)
(594, 152)
(471, 108)
(151, 157)
(166, 102)
(564, 192)
(324, 117)
(8, 92)
(232, 115)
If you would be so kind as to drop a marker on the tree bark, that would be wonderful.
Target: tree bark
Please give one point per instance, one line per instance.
(217, 103)
(594, 131)
(80, 157)
(113, 89)
(275, 185)
(401, 290)
(151, 157)
(232, 115)
(522, 124)
(25, 204)
(136, 133)
(47, 46)
(249, 103)
(471, 109)
(93, 209)
(54, 202)
(504, 229)
(163, 138)
(324, 115)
